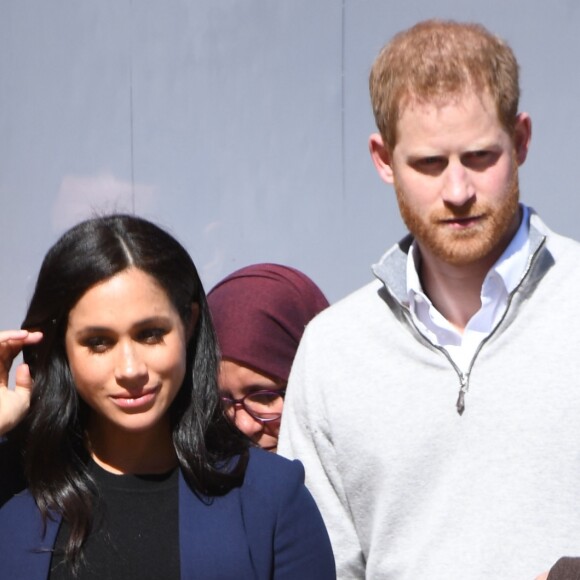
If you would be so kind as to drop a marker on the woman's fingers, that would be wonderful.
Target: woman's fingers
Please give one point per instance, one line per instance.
(11, 343)
(13, 334)
(23, 379)
(14, 403)
(15, 338)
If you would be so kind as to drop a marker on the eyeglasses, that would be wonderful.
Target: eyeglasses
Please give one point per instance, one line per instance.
(264, 406)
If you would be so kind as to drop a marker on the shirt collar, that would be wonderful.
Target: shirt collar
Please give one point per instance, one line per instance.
(512, 263)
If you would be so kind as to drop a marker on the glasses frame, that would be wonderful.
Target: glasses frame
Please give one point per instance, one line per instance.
(234, 402)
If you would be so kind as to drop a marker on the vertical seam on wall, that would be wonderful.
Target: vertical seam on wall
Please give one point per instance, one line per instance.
(131, 107)
(342, 101)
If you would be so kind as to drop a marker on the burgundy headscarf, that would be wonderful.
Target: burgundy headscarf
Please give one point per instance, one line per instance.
(260, 312)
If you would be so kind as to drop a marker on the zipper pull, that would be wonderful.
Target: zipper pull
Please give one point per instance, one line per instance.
(460, 405)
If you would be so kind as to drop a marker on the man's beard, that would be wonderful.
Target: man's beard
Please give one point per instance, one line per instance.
(461, 247)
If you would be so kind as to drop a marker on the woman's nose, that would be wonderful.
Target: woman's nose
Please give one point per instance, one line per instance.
(246, 423)
(129, 365)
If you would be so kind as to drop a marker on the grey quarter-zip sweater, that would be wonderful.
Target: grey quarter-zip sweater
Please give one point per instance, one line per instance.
(424, 472)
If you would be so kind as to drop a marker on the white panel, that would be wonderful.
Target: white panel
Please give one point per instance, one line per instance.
(241, 125)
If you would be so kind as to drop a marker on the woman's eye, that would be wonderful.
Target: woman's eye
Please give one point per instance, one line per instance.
(97, 344)
(152, 335)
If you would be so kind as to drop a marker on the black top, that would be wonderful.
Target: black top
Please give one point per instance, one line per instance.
(136, 530)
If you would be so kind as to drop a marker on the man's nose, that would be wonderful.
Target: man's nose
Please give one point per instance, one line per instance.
(458, 188)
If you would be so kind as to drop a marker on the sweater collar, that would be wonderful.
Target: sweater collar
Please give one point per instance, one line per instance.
(391, 269)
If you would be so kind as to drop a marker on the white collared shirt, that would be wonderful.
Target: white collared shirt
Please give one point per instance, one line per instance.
(499, 282)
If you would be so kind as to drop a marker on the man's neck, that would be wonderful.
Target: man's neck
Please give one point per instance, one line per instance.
(455, 291)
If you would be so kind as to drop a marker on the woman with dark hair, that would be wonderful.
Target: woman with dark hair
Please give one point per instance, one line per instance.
(260, 313)
(131, 468)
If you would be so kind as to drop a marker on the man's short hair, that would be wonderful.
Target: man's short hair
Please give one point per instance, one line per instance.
(437, 60)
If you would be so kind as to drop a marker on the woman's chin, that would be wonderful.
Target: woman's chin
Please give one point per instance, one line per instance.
(273, 447)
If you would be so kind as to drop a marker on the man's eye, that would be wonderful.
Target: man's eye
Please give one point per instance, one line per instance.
(480, 160)
(152, 335)
(479, 155)
(430, 165)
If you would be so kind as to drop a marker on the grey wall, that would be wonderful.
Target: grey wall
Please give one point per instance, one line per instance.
(240, 125)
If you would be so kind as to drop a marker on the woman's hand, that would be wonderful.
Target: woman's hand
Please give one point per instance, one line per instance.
(14, 402)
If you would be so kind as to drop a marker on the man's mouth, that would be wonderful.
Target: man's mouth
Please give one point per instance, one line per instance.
(462, 222)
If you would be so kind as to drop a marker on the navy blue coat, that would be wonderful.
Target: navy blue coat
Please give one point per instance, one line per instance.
(269, 528)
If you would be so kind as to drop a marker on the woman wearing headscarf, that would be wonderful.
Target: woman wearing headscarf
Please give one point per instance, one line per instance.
(260, 313)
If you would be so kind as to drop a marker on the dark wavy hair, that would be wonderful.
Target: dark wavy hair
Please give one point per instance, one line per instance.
(55, 457)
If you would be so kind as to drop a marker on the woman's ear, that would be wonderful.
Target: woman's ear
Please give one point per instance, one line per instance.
(192, 321)
(381, 158)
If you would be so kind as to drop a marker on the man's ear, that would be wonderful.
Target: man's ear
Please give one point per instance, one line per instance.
(381, 157)
(522, 136)
(192, 321)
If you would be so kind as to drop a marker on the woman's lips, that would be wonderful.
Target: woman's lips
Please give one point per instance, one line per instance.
(133, 400)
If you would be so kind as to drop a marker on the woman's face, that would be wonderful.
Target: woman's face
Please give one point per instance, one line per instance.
(126, 344)
(237, 381)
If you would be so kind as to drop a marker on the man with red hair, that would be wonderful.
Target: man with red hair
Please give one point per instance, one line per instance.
(436, 409)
